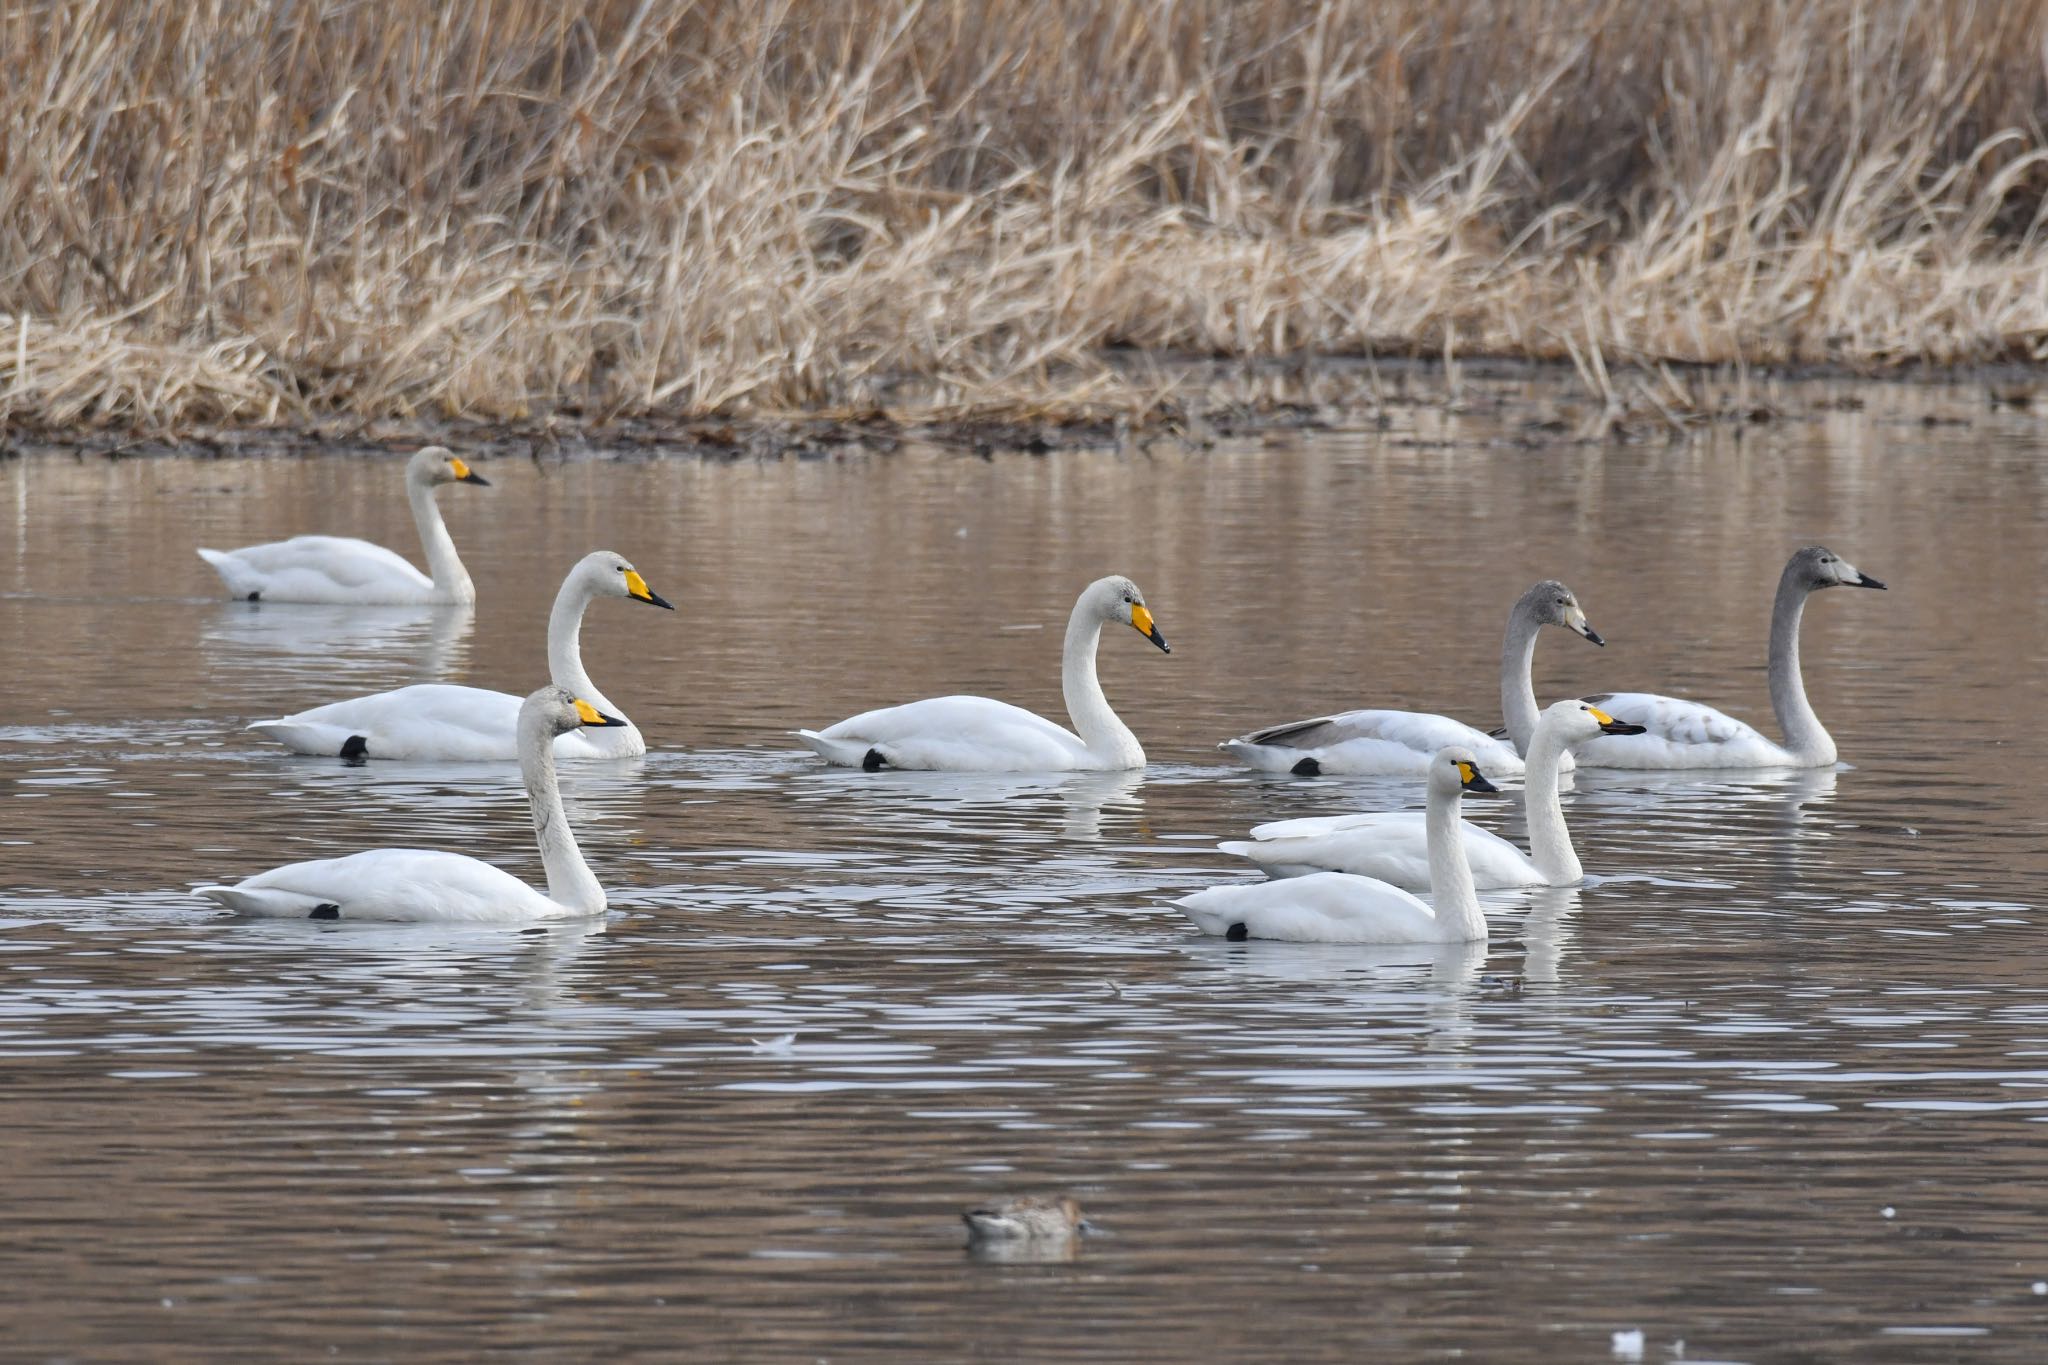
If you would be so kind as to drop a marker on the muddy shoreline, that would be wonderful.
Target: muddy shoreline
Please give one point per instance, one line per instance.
(1211, 400)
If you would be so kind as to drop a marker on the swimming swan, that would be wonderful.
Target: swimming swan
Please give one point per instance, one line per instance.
(1686, 734)
(1379, 741)
(1394, 846)
(977, 734)
(405, 884)
(341, 569)
(1338, 907)
(442, 721)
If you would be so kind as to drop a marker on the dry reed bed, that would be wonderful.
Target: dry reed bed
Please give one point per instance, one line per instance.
(236, 211)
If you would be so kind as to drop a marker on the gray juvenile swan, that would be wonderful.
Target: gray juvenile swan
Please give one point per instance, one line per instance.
(1687, 734)
(1381, 741)
(345, 570)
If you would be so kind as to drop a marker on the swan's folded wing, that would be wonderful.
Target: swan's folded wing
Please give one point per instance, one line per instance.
(1418, 730)
(342, 561)
(1330, 907)
(390, 885)
(424, 721)
(1673, 720)
(962, 733)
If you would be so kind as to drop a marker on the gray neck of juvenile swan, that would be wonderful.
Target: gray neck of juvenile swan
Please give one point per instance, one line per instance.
(1455, 899)
(444, 566)
(571, 883)
(565, 644)
(1107, 738)
(1517, 692)
(1805, 736)
(1550, 843)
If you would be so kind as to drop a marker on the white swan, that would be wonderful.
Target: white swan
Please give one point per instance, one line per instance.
(341, 569)
(442, 721)
(977, 734)
(404, 884)
(1381, 741)
(1686, 734)
(1394, 845)
(1338, 907)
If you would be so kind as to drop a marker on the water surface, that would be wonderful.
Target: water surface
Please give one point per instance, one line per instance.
(1773, 1087)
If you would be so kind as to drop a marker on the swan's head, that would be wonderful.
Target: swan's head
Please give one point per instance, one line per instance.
(1817, 567)
(1581, 720)
(1456, 769)
(557, 711)
(1117, 598)
(612, 575)
(435, 465)
(1551, 603)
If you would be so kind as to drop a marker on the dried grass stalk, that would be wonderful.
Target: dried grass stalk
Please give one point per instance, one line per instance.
(241, 211)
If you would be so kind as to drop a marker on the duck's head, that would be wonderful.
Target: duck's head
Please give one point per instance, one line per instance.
(558, 711)
(1551, 603)
(436, 465)
(608, 574)
(1817, 567)
(1117, 598)
(1455, 769)
(1581, 720)
(1031, 1217)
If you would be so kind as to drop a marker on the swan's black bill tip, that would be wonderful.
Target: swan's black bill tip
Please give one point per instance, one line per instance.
(1622, 727)
(1866, 581)
(473, 477)
(1594, 636)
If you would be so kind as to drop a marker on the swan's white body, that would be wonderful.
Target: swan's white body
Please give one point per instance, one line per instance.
(1340, 907)
(1393, 846)
(410, 884)
(446, 722)
(1687, 734)
(338, 569)
(979, 734)
(1404, 742)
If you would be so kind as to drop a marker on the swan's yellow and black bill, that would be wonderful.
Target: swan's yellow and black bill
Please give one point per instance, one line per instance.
(1142, 622)
(1472, 780)
(1864, 580)
(590, 715)
(464, 474)
(637, 589)
(1610, 726)
(1590, 633)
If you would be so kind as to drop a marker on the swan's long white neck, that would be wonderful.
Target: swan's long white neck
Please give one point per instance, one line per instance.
(1452, 894)
(565, 644)
(570, 880)
(1107, 738)
(1804, 735)
(444, 566)
(1550, 843)
(1517, 691)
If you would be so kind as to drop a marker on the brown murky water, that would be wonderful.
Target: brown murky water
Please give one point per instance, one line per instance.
(1777, 1092)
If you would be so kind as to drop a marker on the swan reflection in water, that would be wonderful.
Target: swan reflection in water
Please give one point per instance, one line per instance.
(979, 805)
(329, 643)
